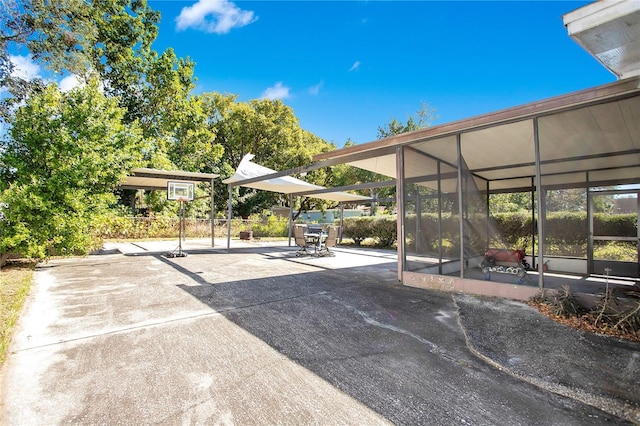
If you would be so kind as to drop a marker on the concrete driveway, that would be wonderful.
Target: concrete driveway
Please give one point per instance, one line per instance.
(257, 336)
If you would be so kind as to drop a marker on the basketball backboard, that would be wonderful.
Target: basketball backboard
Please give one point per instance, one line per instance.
(180, 191)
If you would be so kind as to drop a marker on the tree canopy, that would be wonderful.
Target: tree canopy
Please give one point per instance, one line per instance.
(140, 103)
(62, 159)
(63, 154)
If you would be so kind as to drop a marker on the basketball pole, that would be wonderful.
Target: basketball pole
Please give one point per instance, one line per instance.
(181, 192)
(181, 231)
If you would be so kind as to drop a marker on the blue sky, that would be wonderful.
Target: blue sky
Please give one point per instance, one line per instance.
(348, 67)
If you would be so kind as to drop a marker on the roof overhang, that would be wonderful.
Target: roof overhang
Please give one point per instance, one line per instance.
(154, 179)
(590, 138)
(610, 31)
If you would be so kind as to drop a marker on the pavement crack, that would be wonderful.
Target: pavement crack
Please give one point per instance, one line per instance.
(612, 406)
(434, 348)
(119, 330)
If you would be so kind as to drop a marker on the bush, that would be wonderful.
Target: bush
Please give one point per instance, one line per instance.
(385, 230)
(563, 303)
(624, 251)
(512, 228)
(619, 225)
(566, 232)
(358, 228)
(609, 314)
(273, 226)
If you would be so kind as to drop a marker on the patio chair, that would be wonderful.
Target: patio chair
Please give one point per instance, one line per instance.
(330, 241)
(301, 241)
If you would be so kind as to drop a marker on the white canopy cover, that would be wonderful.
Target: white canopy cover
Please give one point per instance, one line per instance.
(285, 184)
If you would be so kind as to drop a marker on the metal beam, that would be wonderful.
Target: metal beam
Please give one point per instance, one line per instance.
(400, 205)
(561, 160)
(367, 185)
(541, 205)
(460, 203)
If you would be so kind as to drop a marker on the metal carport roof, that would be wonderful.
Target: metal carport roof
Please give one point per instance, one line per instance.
(588, 138)
(143, 178)
(155, 179)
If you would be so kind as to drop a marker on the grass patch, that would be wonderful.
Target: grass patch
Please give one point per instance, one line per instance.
(15, 282)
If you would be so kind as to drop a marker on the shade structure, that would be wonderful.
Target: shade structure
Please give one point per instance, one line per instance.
(248, 170)
(156, 179)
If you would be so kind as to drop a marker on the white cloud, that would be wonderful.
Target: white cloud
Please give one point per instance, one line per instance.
(314, 90)
(69, 82)
(214, 16)
(355, 66)
(276, 92)
(24, 67)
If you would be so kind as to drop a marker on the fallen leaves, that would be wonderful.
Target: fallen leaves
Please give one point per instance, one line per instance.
(586, 322)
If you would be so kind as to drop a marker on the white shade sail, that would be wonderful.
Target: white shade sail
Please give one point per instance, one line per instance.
(285, 184)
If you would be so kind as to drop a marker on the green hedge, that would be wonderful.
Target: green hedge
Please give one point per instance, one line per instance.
(382, 229)
(118, 227)
(566, 232)
(274, 226)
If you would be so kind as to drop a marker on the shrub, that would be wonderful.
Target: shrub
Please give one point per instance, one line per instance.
(358, 228)
(619, 225)
(385, 230)
(273, 226)
(616, 250)
(608, 313)
(563, 303)
(609, 316)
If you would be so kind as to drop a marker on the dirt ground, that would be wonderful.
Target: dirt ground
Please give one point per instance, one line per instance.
(587, 322)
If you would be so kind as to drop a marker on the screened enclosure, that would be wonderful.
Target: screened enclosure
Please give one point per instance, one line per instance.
(585, 144)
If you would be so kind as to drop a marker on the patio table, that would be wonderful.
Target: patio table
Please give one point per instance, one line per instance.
(316, 239)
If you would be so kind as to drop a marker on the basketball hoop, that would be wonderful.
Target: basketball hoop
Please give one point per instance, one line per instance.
(182, 192)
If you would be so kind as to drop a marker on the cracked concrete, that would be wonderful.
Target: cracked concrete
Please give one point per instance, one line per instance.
(255, 335)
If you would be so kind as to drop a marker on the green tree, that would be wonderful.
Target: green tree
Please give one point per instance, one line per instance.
(510, 202)
(62, 159)
(424, 117)
(175, 120)
(345, 175)
(269, 130)
(108, 38)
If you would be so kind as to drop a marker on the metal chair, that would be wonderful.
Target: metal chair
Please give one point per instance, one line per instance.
(330, 241)
(301, 241)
